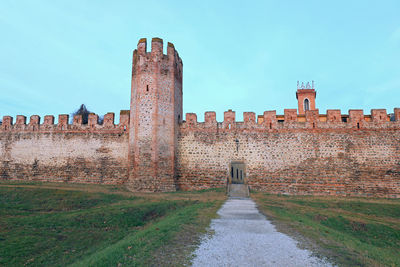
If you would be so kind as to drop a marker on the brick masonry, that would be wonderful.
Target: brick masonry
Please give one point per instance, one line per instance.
(65, 152)
(293, 157)
(153, 149)
(156, 111)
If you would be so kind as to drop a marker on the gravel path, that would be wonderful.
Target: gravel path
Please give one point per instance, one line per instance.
(244, 237)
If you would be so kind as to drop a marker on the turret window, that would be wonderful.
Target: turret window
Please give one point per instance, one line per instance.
(306, 104)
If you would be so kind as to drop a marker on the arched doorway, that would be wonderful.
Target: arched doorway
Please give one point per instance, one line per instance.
(237, 172)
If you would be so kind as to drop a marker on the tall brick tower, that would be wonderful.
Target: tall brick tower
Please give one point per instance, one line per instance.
(155, 115)
(305, 97)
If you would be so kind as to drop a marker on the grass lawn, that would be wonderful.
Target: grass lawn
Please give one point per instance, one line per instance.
(49, 224)
(349, 231)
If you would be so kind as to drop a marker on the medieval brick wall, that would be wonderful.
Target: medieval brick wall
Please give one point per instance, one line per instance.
(152, 149)
(65, 152)
(358, 157)
(312, 157)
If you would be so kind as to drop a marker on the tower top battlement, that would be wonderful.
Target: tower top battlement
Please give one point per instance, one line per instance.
(155, 60)
(157, 47)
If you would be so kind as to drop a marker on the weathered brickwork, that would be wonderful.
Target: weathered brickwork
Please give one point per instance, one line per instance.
(312, 157)
(65, 152)
(156, 110)
(154, 149)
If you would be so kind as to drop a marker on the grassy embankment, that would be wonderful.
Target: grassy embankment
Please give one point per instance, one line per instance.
(47, 224)
(349, 231)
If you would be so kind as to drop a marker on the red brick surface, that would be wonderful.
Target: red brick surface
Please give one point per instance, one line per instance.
(303, 94)
(156, 111)
(336, 159)
(63, 152)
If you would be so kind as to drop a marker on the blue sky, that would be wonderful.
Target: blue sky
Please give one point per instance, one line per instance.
(240, 55)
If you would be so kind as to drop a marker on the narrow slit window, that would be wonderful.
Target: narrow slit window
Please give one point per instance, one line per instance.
(232, 172)
(306, 104)
(147, 88)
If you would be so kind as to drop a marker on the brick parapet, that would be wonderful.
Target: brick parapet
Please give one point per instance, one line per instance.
(63, 124)
(333, 120)
(397, 114)
(142, 59)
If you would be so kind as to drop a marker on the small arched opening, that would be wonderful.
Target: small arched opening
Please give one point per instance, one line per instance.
(306, 104)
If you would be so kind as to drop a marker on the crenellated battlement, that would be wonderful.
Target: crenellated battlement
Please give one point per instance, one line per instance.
(63, 124)
(155, 61)
(291, 120)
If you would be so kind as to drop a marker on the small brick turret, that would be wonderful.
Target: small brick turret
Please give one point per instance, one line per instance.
(305, 97)
(156, 112)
